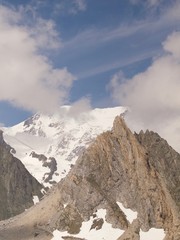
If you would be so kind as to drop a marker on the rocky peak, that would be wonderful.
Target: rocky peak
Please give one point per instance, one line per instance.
(2, 142)
(118, 167)
(120, 128)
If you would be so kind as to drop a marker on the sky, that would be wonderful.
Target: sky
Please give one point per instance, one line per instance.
(93, 54)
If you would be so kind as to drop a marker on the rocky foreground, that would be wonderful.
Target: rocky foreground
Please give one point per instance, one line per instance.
(139, 170)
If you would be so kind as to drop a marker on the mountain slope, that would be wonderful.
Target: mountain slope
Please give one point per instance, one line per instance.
(117, 170)
(49, 145)
(17, 186)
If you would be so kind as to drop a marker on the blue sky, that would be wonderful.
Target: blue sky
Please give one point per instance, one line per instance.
(90, 40)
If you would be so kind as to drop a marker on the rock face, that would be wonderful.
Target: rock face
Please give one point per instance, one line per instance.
(17, 186)
(166, 161)
(119, 166)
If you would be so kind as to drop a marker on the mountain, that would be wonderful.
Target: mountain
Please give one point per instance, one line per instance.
(123, 186)
(48, 145)
(17, 186)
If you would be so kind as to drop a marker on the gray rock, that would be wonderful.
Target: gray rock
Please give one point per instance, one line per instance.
(17, 186)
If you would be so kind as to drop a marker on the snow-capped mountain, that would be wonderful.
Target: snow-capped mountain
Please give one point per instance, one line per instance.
(124, 186)
(48, 145)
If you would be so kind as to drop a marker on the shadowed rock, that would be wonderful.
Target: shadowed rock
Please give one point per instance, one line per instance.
(17, 186)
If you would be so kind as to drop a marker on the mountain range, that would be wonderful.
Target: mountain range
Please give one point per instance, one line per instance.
(118, 185)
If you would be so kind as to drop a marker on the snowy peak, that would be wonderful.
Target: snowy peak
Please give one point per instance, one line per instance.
(53, 125)
(62, 137)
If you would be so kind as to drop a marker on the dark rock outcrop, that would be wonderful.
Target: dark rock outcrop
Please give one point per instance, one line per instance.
(50, 162)
(118, 167)
(17, 186)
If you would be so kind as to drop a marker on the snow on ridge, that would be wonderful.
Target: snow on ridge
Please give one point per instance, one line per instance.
(62, 136)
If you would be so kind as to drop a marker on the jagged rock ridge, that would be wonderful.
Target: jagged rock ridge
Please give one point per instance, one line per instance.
(17, 186)
(118, 167)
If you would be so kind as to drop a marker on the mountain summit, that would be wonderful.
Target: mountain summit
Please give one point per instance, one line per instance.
(119, 171)
(48, 145)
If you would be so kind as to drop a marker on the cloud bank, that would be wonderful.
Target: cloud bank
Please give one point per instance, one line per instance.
(27, 78)
(153, 96)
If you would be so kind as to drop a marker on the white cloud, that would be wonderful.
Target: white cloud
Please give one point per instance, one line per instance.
(78, 111)
(77, 6)
(153, 96)
(43, 31)
(27, 78)
(45, 35)
(70, 7)
(134, 2)
(81, 4)
(149, 3)
(154, 2)
(172, 44)
(2, 125)
(80, 107)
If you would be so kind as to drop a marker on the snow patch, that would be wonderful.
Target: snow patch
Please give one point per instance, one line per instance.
(105, 233)
(153, 233)
(43, 191)
(131, 215)
(35, 199)
(57, 235)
